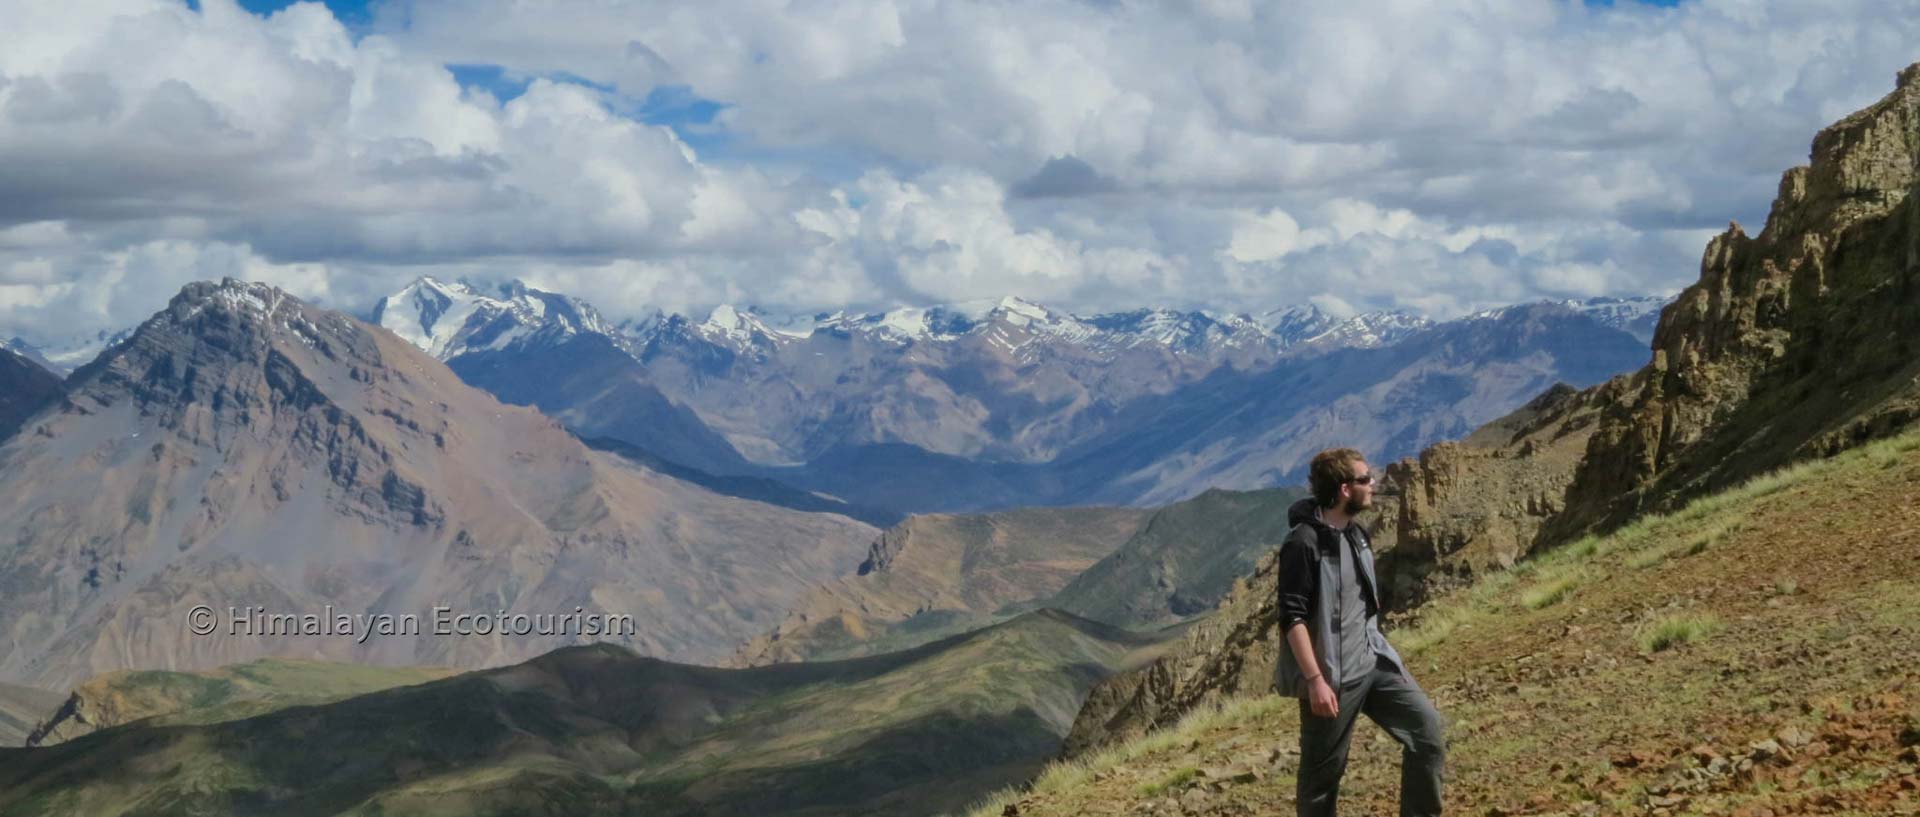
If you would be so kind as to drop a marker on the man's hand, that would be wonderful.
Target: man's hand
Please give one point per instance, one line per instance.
(1320, 695)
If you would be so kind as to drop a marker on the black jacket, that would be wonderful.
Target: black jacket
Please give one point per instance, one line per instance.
(1308, 583)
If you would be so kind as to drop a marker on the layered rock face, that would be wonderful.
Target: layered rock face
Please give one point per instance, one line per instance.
(246, 450)
(1481, 503)
(1795, 344)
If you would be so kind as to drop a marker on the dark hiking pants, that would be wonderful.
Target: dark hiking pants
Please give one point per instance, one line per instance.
(1397, 704)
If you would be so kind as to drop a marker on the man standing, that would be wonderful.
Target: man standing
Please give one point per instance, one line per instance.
(1332, 654)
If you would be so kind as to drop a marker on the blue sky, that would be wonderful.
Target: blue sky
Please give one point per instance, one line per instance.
(354, 13)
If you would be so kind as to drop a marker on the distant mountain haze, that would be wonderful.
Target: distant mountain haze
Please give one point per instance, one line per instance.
(61, 356)
(245, 449)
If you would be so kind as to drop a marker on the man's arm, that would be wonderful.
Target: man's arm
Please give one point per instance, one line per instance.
(1303, 651)
(1297, 572)
(1297, 575)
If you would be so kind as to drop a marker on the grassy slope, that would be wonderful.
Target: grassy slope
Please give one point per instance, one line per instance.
(224, 694)
(1806, 590)
(1183, 561)
(1179, 563)
(598, 730)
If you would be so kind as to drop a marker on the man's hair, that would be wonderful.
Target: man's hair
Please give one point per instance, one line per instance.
(1331, 469)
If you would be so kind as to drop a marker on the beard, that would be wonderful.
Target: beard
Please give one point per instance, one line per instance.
(1354, 505)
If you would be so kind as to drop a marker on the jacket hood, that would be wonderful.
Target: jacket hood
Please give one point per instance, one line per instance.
(1302, 511)
(1306, 510)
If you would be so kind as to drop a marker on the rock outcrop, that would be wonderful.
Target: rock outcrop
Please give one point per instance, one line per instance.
(1795, 343)
(21, 710)
(1481, 503)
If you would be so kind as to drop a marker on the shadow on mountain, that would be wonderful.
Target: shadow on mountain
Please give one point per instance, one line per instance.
(599, 730)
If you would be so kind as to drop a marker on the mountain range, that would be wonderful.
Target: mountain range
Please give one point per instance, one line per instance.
(986, 405)
(997, 404)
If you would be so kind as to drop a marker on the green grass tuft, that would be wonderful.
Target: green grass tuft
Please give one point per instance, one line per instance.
(1673, 631)
(1548, 592)
(1179, 777)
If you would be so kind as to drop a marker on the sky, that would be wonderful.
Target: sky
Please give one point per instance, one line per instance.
(810, 155)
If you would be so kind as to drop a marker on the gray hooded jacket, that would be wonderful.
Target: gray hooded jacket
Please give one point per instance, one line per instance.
(1309, 591)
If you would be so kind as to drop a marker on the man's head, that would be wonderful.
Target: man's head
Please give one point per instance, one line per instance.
(1341, 478)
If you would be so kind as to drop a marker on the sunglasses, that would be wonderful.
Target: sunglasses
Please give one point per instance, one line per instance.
(1363, 479)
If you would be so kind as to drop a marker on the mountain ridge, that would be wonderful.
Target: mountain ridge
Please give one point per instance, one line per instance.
(246, 449)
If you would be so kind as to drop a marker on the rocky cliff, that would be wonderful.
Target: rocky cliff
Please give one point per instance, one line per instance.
(1480, 503)
(1794, 343)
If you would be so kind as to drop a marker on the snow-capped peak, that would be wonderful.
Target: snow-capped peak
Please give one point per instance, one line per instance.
(743, 324)
(727, 319)
(1022, 308)
(1371, 329)
(1636, 315)
(910, 322)
(1296, 323)
(448, 319)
